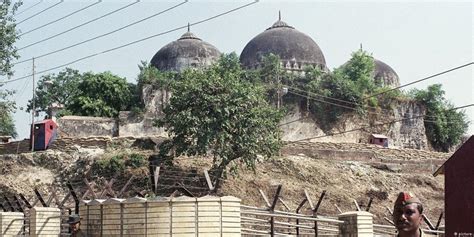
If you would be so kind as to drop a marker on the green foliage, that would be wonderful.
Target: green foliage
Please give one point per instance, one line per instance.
(57, 89)
(86, 94)
(110, 166)
(8, 36)
(444, 126)
(118, 164)
(216, 112)
(101, 95)
(136, 160)
(333, 85)
(8, 52)
(152, 76)
(7, 125)
(347, 86)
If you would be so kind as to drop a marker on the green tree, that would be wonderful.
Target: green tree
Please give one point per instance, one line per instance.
(347, 85)
(86, 94)
(8, 52)
(444, 125)
(57, 89)
(8, 36)
(7, 125)
(216, 112)
(102, 95)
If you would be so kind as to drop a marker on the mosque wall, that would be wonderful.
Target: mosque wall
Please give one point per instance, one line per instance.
(409, 132)
(82, 126)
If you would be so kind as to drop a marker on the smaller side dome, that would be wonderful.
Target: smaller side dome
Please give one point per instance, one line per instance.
(187, 51)
(385, 75)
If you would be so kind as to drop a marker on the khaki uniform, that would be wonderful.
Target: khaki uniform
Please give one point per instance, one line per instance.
(425, 234)
(422, 234)
(79, 233)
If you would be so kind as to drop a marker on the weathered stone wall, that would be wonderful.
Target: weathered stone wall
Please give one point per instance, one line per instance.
(82, 126)
(16, 147)
(409, 132)
(384, 158)
(142, 125)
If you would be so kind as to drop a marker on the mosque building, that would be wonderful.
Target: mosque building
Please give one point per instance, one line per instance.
(295, 49)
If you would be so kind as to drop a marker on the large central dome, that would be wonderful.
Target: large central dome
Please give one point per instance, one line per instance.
(187, 51)
(294, 48)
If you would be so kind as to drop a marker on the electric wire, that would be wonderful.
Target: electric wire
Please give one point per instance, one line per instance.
(339, 100)
(105, 34)
(36, 14)
(28, 8)
(76, 27)
(352, 108)
(61, 18)
(423, 79)
(370, 126)
(133, 42)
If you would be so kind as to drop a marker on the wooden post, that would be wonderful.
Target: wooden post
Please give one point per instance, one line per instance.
(74, 196)
(108, 189)
(428, 222)
(18, 203)
(439, 221)
(208, 180)
(156, 174)
(124, 188)
(339, 209)
(389, 221)
(40, 198)
(272, 208)
(23, 198)
(264, 198)
(356, 205)
(368, 205)
(90, 189)
(297, 219)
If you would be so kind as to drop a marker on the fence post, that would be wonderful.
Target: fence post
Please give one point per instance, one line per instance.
(272, 208)
(298, 220)
(74, 196)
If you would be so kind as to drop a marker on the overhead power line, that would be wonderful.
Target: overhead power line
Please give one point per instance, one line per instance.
(105, 34)
(134, 42)
(78, 26)
(28, 8)
(336, 99)
(61, 18)
(371, 126)
(351, 108)
(36, 14)
(423, 79)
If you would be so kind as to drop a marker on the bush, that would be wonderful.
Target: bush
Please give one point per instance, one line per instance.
(136, 160)
(109, 166)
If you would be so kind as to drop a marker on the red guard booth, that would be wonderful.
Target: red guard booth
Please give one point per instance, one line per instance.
(44, 132)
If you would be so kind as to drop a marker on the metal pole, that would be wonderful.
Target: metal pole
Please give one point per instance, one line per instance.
(33, 109)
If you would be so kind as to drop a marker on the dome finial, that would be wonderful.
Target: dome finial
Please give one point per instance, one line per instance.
(279, 15)
(360, 46)
(189, 26)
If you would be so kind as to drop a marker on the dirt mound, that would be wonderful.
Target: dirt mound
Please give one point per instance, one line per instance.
(344, 180)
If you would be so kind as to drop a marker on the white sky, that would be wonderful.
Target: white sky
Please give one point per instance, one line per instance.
(416, 38)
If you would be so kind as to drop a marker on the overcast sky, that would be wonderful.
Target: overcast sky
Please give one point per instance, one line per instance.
(416, 38)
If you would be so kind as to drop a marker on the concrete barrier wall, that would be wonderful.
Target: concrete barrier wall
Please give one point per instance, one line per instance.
(182, 216)
(45, 222)
(11, 223)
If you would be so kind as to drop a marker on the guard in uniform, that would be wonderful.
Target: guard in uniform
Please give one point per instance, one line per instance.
(407, 216)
